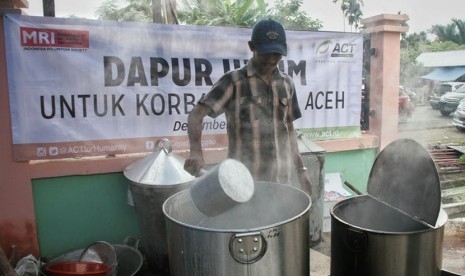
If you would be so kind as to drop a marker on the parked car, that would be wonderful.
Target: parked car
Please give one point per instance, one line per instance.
(449, 102)
(441, 89)
(406, 107)
(459, 116)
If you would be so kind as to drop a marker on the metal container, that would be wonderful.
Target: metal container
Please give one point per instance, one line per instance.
(267, 235)
(396, 229)
(221, 188)
(313, 157)
(151, 181)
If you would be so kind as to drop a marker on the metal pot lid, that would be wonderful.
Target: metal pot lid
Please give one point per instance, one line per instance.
(162, 167)
(404, 176)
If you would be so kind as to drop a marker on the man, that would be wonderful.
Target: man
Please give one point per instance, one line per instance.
(260, 105)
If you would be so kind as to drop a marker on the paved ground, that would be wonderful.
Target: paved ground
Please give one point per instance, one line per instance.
(429, 127)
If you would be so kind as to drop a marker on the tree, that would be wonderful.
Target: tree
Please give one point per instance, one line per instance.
(411, 46)
(136, 10)
(221, 12)
(352, 10)
(448, 38)
(239, 13)
(289, 13)
(454, 32)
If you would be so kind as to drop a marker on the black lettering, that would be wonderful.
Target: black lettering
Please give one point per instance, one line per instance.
(116, 105)
(42, 107)
(70, 107)
(140, 104)
(318, 95)
(105, 106)
(176, 72)
(203, 70)
(108, 63)
(84, 103)
(328, 100)
(136, 72)
(297, 69)
(162, 104)
(236, 64)
(173, 103)
(189, 101)
(179, 126)
(340, 99)
(159, 68)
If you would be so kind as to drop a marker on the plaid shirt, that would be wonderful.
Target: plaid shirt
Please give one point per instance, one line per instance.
(257, 117)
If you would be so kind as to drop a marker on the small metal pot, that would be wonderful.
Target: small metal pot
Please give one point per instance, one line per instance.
(396, 229)
(267, 235)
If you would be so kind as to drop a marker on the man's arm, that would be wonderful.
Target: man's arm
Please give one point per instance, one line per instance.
(194, 130)
(302, 173)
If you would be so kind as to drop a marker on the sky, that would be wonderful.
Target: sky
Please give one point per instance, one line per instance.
(422, 13)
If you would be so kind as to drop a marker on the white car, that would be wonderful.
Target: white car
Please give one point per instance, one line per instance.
(441, 89)
(459, 116)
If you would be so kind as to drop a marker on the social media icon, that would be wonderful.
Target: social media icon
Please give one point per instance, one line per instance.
(53, 151)
(150, 145)
(41, 151)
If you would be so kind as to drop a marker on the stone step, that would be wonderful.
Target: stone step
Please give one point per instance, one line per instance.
(454, 209)
(452, 195)
(452, 183)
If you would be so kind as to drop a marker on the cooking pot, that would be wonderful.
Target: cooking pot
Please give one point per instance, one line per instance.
(151, 181)
(396, 229)
(128, 256)
(267, 235)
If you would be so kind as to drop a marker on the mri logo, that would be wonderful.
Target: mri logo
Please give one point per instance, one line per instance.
(329, 49)
(38, 37)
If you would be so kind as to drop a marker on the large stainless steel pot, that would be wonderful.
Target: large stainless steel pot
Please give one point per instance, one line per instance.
(151, 181)
(397, 228)
(267, 235)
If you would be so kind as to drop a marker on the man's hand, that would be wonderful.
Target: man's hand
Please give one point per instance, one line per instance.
(194, 164)
(305, 181)
(194, 130)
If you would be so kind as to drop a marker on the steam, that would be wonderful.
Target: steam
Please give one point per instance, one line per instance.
(271, 205)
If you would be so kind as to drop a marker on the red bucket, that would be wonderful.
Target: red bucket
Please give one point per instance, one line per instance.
(77, 268)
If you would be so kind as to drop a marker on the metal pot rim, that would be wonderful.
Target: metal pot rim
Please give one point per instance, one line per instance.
(297, 216)
(258, 228)
(442, 220)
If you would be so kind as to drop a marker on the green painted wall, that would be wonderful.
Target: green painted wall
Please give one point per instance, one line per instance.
(74, 211)
(354, 166)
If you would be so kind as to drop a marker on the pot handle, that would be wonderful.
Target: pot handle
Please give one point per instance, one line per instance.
(165, 145)
(247, 248)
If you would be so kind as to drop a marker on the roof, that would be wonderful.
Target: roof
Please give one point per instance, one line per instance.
(442, 59)
(445, 73)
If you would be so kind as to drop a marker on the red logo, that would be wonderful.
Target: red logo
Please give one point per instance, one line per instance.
(33, 37)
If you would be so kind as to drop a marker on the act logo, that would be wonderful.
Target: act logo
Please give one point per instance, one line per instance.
(329, 49)
(324, 48)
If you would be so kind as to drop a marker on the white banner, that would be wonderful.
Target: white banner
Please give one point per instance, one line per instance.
(84, 87)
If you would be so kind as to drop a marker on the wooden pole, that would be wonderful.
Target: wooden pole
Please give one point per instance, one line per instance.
(49, 7)
(156, 10)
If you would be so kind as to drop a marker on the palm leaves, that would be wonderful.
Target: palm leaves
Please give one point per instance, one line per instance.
(454, 32)
(221, 12)
(352, 10)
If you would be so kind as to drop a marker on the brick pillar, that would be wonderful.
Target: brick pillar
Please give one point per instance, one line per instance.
(12, 6)
(385, 30)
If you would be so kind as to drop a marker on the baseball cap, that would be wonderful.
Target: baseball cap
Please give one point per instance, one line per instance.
(268, 37)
